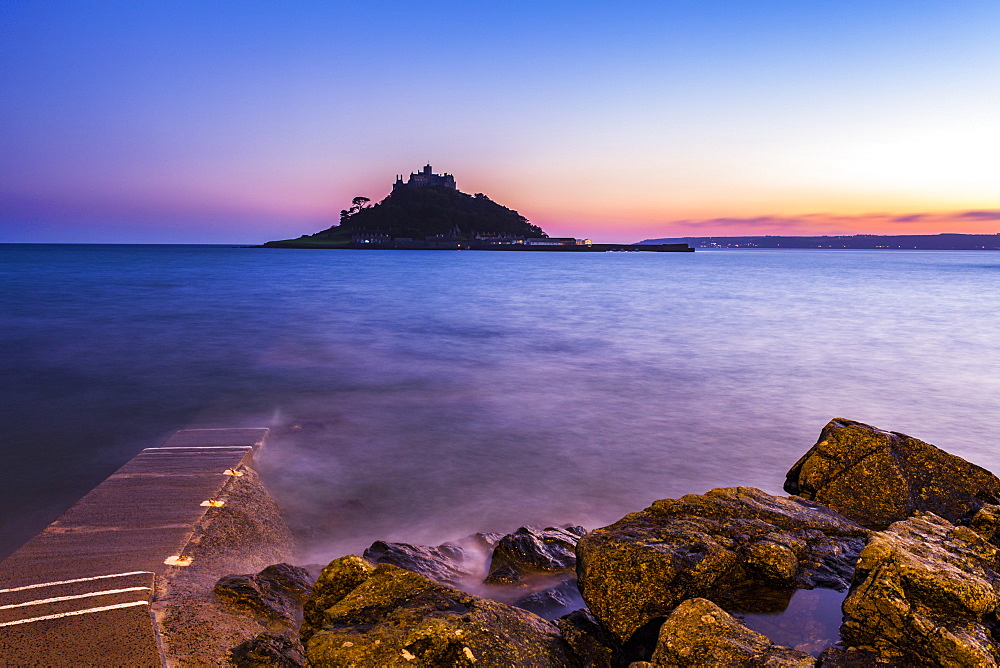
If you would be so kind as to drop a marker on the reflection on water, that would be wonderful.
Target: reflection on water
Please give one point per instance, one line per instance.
(810, 622)
(422, 397)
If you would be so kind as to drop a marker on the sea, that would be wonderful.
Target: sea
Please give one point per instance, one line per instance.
(423, 396)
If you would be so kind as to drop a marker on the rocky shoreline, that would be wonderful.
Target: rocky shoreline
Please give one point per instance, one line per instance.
(909, 534)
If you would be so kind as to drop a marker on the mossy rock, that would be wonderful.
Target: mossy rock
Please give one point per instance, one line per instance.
(878, 477)
(699, 633)
(926, 594)
(739, 547)
(394, 617)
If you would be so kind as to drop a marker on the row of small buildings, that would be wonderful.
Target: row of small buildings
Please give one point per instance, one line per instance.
(386, 240)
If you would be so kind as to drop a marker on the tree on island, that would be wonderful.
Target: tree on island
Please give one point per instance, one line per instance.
(357, 204)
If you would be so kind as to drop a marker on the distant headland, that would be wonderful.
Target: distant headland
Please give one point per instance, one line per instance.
(856, 241)
(429, 212)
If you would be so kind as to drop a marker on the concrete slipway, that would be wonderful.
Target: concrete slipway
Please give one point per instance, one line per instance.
(83, 591)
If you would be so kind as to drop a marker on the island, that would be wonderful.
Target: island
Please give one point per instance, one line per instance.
(429, 212)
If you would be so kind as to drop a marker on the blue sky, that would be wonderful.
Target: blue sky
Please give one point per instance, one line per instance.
(246, 121)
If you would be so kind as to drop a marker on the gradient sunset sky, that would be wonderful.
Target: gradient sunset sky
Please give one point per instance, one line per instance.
(240, 122)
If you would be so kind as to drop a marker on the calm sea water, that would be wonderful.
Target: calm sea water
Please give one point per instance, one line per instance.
(422, 396)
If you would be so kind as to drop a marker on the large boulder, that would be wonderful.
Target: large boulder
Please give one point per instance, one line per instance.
(396, 617)
(530, 550)
(699, 633)
(877, 477)
(926, 593)
(442, 563)
(729, 545)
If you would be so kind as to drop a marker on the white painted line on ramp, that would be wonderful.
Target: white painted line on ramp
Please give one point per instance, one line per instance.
(56, 599)
(64, 582)
(75, 612)
(202, 447)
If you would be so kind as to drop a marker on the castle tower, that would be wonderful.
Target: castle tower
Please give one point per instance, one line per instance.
(426, 177)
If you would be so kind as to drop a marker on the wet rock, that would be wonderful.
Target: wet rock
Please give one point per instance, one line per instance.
(505, 575)
(487, 540)
(877, 477)
(734, 546)
(268, 649)
(440, 563)
(553, 602)
(926, 592)
(278, 592)
(397, 617)
(593, 645)
(529, 550)
(699, 633)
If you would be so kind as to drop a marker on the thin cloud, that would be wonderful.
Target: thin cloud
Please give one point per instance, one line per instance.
(969, 222)
(980, 215)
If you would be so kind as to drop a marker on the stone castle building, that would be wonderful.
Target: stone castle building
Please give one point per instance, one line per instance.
(425, 178)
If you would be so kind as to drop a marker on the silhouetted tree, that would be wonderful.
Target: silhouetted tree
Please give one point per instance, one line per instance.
(357, 204)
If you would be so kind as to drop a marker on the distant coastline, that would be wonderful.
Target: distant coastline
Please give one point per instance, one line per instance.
(856, 241)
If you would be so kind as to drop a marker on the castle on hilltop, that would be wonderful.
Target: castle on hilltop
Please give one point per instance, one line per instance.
(425, 178)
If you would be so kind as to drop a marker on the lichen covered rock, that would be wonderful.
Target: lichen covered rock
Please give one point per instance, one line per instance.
(396, 617)
(339, 578)
(926, 593)
(986, 522)
(726, 546)
(699, 633)
(877, 477)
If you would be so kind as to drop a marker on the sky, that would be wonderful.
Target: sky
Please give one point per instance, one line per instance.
(245, 121)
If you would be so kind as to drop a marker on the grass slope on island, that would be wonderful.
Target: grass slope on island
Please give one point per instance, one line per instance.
(419, 213)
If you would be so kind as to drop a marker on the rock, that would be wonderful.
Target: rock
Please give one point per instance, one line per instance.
(278, 592)
(877, 477)
(529, 550)
(553, 602)
(841, 657)
(594, 646)
(505, 575)
(488, 539)
(986, 522)
(438, 563)
(699, 633)
(926, 592)
(398, 617)
(733, 546)
(337, 580)
(296, 580)
(268, 649)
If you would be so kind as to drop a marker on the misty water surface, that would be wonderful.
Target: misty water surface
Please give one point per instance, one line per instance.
(422, 396)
